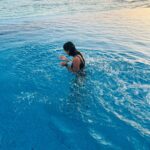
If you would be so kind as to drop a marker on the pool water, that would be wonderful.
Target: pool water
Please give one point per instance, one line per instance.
(45, 107)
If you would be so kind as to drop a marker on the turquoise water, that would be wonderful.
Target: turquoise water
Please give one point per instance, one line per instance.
(43, 106)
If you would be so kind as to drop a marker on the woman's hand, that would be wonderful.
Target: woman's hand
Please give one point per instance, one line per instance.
(63, 64)
(64, 58)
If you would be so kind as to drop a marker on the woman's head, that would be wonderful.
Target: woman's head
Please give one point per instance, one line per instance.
(70, 48)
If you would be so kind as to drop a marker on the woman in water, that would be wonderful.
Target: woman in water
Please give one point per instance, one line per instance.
(78, 62)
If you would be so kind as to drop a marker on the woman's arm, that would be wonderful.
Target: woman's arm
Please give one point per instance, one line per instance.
(76, 64)
(64, 58)
(75, 67)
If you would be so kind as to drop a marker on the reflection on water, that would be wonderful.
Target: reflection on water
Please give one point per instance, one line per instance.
(31, 8)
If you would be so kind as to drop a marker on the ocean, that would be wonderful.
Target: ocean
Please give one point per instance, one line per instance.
(45, 107)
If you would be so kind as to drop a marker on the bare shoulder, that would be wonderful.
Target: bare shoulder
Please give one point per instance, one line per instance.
(76, 59)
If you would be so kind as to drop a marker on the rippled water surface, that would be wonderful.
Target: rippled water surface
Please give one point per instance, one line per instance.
(43, 106)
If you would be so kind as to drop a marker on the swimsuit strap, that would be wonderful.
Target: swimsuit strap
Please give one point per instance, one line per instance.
(81, 58)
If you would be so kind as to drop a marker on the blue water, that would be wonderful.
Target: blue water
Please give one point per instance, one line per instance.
(45, 107)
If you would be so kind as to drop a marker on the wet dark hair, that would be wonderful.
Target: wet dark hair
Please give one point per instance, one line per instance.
(70, 47)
